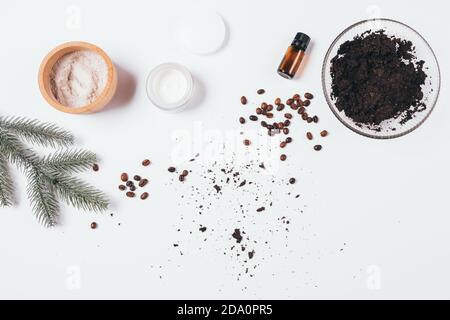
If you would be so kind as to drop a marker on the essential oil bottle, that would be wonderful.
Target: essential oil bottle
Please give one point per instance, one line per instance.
(294, 56)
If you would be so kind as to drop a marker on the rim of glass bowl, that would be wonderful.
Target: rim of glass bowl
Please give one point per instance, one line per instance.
(173, 107)
(331, 104)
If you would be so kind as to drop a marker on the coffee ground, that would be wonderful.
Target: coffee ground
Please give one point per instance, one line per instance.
(376, 77)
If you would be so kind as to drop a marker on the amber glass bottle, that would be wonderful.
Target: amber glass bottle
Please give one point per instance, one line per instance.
(294, 56)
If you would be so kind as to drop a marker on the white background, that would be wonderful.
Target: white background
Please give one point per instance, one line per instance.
(386, 200)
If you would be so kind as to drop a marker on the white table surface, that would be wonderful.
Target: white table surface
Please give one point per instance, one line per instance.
(385, 203)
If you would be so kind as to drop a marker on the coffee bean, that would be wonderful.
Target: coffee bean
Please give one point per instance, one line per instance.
(277, 101)
(253, 118)
(280, 125)
(269, 107)
(95, 167)
(280, 107)
(94, 225)
(296, 97)
(316, 119)
(286, 131)
(289, 101)
(288, 139)
(184, 173)
(305, 116)
(131, 194)
(243, 100)
(292, 180)
(246, 142)
(317, 147)
(288, 115)
(324, 133)
(264, 106)
(306, 103)
(144, 195)
(146, 162)
(270, 127)
(283, 157)
(300, 103)
(294, 106)
(309, 135)
(122, 187)
(181, 177)
(287, 123)
(260, 210)
(283, 144)
(301, 110)
(132, 187)
(263, 124)
(261, 91)
(269, 115)
(309, 120)
(309, 96)
(137, 178)
(143, 183)
(171, 169)
(242, 120)
(129, 183)
(124, 177)
(258, 110)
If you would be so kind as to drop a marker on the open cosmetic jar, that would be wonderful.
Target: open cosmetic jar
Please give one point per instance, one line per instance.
(170, 87)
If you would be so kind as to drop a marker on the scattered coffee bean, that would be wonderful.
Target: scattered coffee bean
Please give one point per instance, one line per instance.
(269, 115)
(132, 187)
(305, 116)
(243, 100)
(137, 178)
(258, 110)
(283, 144)
(131, 194)
(269, 107)
(95, 167)
(129, 183)
(171, 169)
(309, 120)
(260, 209)
(144, 195)
(247, 142)
(280, 107)
(294, 106)
(296, 97)
(146, 162)
(280, 125)
(124, 177)
(309, 96)
(253, 118)
(241, 120)
(323, 133)
(264, 106)
(292, 180)
(286, 131)
(143, 183)
(263, 124)
(181, 177)
(288, 115)
(301, 110)
(317, 147)
(261, 91)
(289, 102)
(122, 187)
(309, 135)
(316, 119)
(287, 123)
(283, 157)
(185, 173)
(277, 101)
(94, 225)
(288, 139)
(306, 103)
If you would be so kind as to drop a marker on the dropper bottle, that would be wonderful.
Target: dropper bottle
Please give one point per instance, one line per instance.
(294, 56)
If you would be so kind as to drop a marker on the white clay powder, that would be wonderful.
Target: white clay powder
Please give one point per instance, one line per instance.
(78, 78)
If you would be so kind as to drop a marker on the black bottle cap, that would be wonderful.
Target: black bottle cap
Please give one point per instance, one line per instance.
(301, 41)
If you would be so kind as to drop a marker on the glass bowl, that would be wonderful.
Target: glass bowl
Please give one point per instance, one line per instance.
(392, 128)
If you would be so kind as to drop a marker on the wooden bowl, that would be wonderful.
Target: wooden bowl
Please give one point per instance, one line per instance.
(46, 68)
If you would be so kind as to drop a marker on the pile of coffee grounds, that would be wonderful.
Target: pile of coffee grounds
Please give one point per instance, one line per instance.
(376, 77)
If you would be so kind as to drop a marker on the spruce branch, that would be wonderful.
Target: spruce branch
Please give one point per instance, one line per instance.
(78, 193)
(6, 186)
(42, 198)
(45, 134)
(15, 152)
(69, 161)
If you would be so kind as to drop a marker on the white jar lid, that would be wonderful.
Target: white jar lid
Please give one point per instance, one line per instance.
(201, 31)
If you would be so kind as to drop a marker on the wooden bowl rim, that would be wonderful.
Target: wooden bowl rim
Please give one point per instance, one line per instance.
(97, 103)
